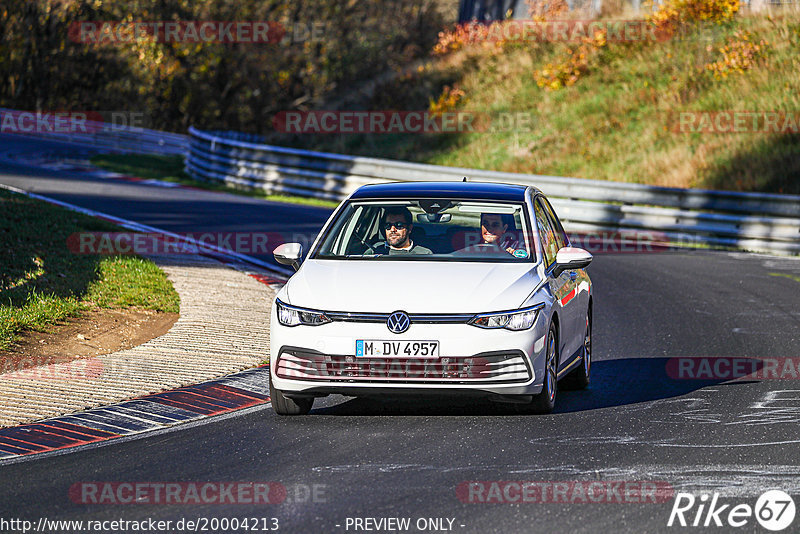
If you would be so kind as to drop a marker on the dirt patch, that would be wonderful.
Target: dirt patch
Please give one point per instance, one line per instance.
(100, 331)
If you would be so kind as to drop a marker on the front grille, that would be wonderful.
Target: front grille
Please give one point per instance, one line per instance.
(490, 367)
(420, 318)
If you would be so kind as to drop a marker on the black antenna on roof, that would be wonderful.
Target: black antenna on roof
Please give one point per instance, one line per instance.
(465, 179)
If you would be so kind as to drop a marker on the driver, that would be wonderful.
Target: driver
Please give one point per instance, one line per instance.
(396, 226)
(493, 232)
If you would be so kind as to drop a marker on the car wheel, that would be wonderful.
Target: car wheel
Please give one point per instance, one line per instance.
(579, 378)
(545, 401)
(284, 405)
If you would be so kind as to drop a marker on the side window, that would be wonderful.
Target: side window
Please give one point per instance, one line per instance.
(561, 235)
(347, 242)
(546, 235)
(367, 229)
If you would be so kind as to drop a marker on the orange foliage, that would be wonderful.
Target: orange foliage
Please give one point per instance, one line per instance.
(575, 64)
(738, 55)
(547, 10)
(449, 100)
(673, 13)
(470, 33)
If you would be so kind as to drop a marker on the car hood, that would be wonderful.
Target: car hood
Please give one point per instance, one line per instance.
(411, 286)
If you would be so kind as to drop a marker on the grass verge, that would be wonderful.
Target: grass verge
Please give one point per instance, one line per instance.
(42, 282)
(170, 169)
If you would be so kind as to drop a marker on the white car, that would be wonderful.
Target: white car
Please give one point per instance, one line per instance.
(434, 287)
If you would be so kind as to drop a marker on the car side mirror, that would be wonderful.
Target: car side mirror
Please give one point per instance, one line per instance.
(289, 254)
(568, 258)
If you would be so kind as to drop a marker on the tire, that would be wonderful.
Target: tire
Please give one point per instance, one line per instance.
(545, 401)
(579, 378)
(284, 405)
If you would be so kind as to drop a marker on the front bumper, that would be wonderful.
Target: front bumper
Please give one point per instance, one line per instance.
(318, 360)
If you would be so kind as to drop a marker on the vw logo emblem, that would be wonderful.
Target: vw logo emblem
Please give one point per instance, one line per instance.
(398, 322)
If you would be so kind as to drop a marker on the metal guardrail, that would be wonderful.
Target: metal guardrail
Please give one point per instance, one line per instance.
(753, 221)
(92, 133)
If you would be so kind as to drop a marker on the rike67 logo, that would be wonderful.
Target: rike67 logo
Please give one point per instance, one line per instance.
(774, 510)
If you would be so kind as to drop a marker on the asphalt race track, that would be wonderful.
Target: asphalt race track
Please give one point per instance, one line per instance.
(412, 459)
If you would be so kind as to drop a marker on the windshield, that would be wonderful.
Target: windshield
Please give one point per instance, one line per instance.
(429, 229)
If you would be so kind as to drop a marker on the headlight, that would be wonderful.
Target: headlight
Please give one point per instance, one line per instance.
(293, 316)
(510, 320)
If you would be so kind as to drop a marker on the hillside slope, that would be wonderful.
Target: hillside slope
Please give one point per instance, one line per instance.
(614, 112)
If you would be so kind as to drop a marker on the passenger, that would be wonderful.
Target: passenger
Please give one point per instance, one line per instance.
(396, 226)
(494, 232)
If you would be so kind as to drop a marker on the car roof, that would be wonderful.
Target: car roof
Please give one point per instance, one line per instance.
(449, 189)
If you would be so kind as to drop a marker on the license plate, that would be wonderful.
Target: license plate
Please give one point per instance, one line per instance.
(366, 348)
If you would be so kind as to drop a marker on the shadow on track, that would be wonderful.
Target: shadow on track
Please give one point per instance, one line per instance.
(614, 383)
